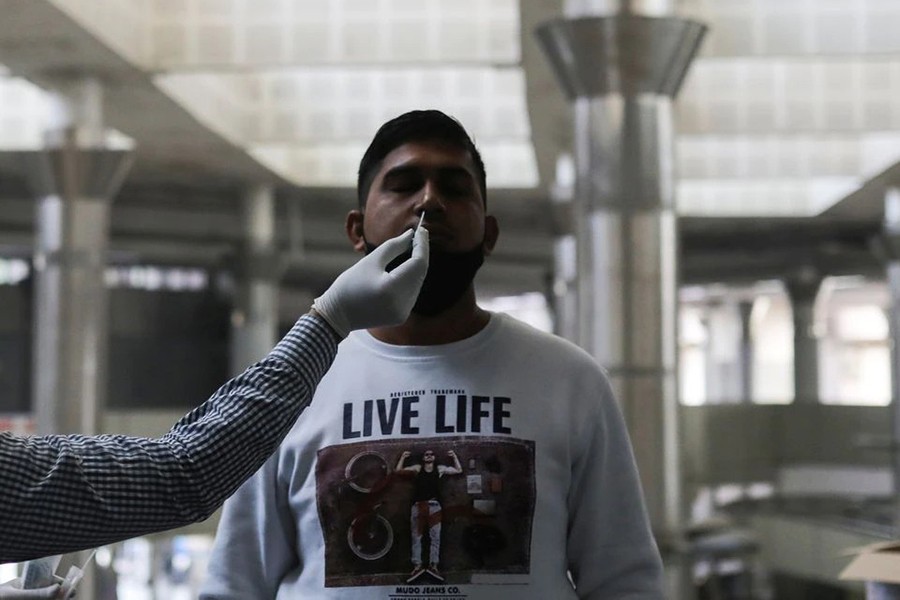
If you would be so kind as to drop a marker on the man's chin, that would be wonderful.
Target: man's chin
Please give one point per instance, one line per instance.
(428, 310)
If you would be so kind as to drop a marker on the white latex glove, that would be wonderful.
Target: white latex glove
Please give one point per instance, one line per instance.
(366, 295)
(12, 590)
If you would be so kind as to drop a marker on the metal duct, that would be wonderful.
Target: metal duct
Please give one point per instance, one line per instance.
(73, 180)
(892, 246)
(621, 73)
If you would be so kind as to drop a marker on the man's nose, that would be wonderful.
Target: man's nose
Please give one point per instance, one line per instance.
(430, 200)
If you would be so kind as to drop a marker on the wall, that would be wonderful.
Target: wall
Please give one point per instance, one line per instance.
(15, 348)
(746, 443)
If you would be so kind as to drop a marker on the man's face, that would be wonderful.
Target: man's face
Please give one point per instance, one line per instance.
(428, 456)
(432, 177)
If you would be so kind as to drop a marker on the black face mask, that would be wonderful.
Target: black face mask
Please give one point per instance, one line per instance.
(449, 276)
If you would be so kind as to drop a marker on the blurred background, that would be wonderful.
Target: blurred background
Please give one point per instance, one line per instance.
(704, 194)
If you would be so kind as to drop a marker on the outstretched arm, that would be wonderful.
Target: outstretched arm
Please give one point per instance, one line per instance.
(67, 493)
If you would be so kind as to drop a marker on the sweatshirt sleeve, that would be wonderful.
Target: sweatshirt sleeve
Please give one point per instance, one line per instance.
(255, 544)
(611, 550)
(67, 493)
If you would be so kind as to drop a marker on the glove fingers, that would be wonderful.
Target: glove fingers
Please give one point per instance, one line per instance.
(420, 244)
(393, 248)
(417, 265)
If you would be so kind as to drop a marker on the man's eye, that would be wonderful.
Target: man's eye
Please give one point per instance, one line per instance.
(458, 188)
(404, 187)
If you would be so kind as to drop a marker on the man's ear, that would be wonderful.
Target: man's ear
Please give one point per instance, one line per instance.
(491, 233)
(354, 227)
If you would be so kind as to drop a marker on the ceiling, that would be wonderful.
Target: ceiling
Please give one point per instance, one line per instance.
(788, 122)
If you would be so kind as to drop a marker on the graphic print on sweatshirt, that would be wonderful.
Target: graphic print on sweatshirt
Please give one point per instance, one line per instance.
(426, 513)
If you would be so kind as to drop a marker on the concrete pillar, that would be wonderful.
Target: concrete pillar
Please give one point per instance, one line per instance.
(803, 288)
(565, 296)
(73, 179)
(712, 372)
(723, 358)
(745, 353)
(255, 317)
(892, 247)
(621, 71)
(565, 272)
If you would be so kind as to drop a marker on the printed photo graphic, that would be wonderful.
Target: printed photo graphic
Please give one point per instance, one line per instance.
(425, 511)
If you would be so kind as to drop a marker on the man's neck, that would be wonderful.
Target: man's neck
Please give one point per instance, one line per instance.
(462, 320)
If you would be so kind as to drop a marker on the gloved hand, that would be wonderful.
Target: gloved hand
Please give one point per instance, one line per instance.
(367, 295)
(12, 590)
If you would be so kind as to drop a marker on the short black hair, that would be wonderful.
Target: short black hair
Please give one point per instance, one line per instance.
(415, 126)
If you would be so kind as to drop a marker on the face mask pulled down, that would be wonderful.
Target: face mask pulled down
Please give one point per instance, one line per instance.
(449, 276)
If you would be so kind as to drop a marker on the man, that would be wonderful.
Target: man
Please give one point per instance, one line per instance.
(550, 506)
(69, 492)
(425, 514)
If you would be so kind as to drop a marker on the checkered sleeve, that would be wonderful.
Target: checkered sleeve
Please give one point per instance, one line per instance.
(67, 493)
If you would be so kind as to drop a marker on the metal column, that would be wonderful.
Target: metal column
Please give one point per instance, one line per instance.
(892, 245)
(565, 294)
(723, 351)
(565, 276)
(621, 72)
(73, 178)
(803, 288)
(745, 308)
(255, 316)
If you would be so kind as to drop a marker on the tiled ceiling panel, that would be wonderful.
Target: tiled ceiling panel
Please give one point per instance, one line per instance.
(790, 95)
(789, 103)
(244, 33)
(24, 111)
(796, 27)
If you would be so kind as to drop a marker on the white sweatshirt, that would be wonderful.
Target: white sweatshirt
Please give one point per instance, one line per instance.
(548, 484)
